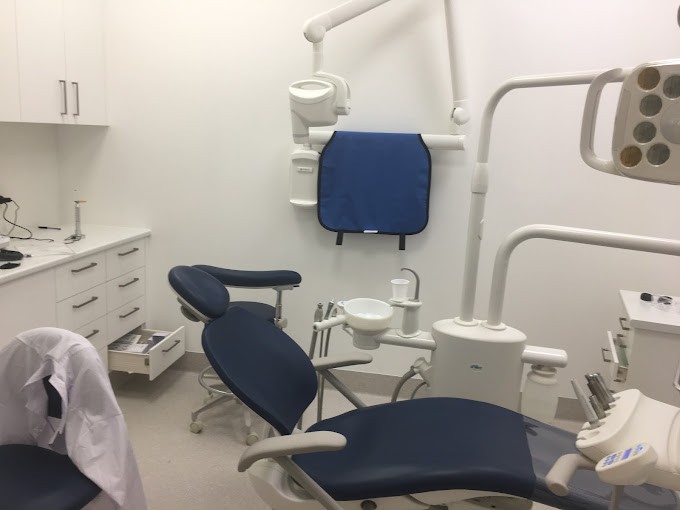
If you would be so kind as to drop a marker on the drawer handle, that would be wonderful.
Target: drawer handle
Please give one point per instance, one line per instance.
(172, 346)
(94, 332)
(134, 280)
(129, 252)
(676, 383)
(134, 310)
(89, 266)
(623, 321)
(604, 349)
(91, 300)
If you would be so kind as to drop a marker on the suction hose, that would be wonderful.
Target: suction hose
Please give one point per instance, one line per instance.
(401, 383)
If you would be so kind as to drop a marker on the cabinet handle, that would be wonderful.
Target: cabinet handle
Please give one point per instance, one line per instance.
(77, 90)
(89, 266)
(172, 346)
(623, 321)
(91, 300)
(94, 332)
(134, 280)
(604, 349)
(128, 252)
(64, 96)
(134, 310)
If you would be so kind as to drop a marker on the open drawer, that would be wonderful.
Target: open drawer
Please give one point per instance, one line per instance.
(617, 349)
(156, 360)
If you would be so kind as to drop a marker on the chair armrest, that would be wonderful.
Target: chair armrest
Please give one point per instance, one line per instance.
(252, 279)
(283, 446)
(342, 360)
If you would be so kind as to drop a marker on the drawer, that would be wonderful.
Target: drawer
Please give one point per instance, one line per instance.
(125, 288)
(96, 332)
(618, 360)
(154, 362)
(80, 275)
(125, 258)
(126, 318)
(76, 311)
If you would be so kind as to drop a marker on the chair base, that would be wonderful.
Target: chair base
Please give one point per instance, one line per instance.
(217, 394)
(277, 490)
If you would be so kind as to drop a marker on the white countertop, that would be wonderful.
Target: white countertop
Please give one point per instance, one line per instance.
(652, 316)
(44, 255)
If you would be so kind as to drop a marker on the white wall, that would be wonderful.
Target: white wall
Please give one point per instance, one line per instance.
(29, 174)
(200, 137)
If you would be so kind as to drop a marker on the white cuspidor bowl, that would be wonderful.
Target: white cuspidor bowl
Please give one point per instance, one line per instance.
(366, 314)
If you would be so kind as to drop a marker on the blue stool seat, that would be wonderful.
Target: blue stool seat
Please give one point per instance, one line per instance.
(34, 478)
(237, 278)
(443, 444)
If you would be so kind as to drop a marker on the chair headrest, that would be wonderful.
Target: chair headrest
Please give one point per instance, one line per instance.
(200, 294)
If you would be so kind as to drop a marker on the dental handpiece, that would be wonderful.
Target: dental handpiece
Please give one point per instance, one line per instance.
(610, 395)
(318, 315)
(599, 389)
(591, 417)
(597, 407)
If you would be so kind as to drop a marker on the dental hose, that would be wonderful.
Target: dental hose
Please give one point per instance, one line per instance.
(401, 383)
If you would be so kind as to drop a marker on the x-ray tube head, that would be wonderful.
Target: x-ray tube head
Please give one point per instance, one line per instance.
(317, 102)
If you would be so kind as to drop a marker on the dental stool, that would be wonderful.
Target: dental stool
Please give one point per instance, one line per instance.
(426, 453)
(279, 281)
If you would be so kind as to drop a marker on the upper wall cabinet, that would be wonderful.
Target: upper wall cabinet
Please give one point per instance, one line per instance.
(10, 109)
(61, 61)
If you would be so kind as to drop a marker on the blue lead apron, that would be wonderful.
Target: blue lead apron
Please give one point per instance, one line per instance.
(377, 183)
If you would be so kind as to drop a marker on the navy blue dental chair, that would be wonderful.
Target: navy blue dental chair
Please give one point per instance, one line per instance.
(435, 450)
(279, 281)
(35, 478)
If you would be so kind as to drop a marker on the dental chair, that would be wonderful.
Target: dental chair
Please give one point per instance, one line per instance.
(438, 453)
(63, 439)
(279, 281)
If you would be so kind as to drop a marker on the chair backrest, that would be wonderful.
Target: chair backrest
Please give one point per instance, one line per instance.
(201, 294)
(262, 366)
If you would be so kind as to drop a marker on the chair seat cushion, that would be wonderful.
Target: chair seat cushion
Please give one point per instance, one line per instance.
(34, 478)
(424, 445)
(238, 278)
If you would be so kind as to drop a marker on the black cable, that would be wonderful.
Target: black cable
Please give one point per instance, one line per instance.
(30, 234)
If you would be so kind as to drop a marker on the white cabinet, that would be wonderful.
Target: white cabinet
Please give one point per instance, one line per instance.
(645, 352)
(98, 292)
(10, 110)
(60, 46)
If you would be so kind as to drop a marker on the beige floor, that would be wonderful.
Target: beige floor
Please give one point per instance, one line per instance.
(182, 470)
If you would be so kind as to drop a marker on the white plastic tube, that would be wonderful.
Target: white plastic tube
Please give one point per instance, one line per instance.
(315, 28)
(571, 235)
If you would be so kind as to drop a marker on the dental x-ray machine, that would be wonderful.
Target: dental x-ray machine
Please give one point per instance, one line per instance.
(319, 100)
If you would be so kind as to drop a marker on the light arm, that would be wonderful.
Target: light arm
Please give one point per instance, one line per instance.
(480, 177)
(568, 234)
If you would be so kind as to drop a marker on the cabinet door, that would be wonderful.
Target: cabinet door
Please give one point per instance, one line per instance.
(27, 303)
(9, 66)
(85, 61)
(42, 76)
